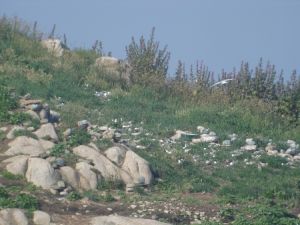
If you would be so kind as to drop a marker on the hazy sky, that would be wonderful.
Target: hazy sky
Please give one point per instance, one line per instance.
(221, 33)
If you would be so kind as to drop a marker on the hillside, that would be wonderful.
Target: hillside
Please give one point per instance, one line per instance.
(84, 136)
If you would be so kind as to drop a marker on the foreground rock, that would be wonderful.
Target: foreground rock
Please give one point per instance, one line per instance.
(41, 218)
(40, 173)
(13, 217)
(121, 220)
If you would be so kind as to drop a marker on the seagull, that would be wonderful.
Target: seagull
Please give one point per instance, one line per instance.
(222, 82)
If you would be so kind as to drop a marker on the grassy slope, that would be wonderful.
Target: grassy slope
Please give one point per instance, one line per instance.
(27, 68)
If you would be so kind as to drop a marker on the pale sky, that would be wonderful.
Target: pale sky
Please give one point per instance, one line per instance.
(221, 33)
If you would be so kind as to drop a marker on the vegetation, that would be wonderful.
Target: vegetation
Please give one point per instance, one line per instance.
(257, 103)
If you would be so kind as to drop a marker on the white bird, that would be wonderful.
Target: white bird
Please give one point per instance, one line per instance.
(222, 82)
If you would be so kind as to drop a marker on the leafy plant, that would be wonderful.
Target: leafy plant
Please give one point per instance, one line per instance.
(79, 137)
(58, 150)
(149, 65)
(73, 196)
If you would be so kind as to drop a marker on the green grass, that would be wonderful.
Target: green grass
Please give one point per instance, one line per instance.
(27, 67)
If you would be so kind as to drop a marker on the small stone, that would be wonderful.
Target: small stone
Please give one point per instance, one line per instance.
(250, 141)
(67, 132)
(226, 143)
(53, 191)
(83, 124)
(36, 107)
(133, 206)
(60, 162)
(61, 184)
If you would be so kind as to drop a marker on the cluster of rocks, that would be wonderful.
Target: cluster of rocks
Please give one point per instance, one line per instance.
(18, 217)
(37, 110)
(31, 157)
(292, 153)
(204, 135)
(172, 209)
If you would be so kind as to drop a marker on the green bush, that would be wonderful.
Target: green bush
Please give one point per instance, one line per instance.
(149, 63)
(58, 150)
(19, 118)
(79, 137)
(73, 196)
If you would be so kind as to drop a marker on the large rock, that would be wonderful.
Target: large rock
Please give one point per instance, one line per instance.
(121, 220)
(106, 168)
(47, 130)
(24, 145)
(88, 178)
(70, 175)
(41, 218)
(54, 46)
(17, 165)
(116, 154)
(41, 173)
(137, 167)
(13, 217)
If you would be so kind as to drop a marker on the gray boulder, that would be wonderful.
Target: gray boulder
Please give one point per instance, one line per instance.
(13, 217)
(137, 167)
(71, 176)
(41, 218)
(17, 165)
(47, 130)
(23, 145)
(40, 173)
(88, 178)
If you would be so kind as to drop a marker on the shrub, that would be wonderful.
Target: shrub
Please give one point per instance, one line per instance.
(73, 196)
(58, 150)
(79, 137)
(149, 64)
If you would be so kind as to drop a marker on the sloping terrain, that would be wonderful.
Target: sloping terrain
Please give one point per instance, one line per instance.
(79, 140)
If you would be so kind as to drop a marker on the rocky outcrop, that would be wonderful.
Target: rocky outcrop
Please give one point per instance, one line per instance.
(107, 169)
